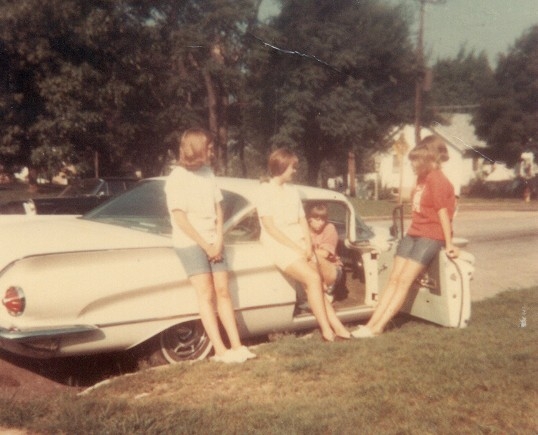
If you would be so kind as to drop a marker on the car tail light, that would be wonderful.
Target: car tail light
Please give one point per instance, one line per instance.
(14, 301)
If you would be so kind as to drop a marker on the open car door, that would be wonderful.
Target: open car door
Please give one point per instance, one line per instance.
(442, 294)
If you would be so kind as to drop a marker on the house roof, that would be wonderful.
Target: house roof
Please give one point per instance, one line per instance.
(459, 133)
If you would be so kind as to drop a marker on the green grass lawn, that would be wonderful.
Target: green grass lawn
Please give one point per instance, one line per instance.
(417, 378)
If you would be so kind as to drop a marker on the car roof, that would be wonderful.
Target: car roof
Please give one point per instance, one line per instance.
(249, 188)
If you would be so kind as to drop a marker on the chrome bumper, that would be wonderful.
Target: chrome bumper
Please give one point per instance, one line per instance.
(42, 342)
(32, 334)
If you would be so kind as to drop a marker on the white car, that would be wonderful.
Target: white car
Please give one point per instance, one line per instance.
(110, 280)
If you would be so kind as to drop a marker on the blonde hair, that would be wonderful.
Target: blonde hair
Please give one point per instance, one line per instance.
(194, 147)
(279, 160)
(430, 152)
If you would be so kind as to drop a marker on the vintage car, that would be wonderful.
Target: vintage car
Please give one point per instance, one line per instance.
(110, 280)
(79, 197)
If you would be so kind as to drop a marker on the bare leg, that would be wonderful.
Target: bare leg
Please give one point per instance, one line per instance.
(203, 284)
(302, 272)
(225, 308)
(389, 291)
(403, 283)
(334, 321)
(328, 271)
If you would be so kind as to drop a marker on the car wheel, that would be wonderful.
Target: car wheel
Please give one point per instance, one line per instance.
(183, 342)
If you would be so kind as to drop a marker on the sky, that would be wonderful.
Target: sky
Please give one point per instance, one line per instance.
(492, 26)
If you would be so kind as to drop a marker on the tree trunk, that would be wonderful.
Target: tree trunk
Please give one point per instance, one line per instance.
(223, 134)
(351, 174)
(244, 172)
(212, 106)
(313, 162)
(32, 179)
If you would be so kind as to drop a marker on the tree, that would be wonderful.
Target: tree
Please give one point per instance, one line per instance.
(337, 79)
(461, 81)
(72, 66)
(507, 119)
(117, 78)
(208, 49)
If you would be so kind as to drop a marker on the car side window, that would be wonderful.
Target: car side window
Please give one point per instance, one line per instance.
(246, 231)
(115, 187)
(231, 204)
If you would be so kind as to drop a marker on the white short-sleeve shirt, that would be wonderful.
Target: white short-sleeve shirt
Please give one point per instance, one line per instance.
(283, 204)
(196, 193)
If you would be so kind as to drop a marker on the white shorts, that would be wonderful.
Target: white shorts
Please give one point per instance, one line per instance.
(282, 255)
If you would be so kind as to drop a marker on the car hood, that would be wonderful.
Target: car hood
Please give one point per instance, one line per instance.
(68, 234)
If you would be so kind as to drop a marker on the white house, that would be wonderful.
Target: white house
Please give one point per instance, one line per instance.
(466, 152)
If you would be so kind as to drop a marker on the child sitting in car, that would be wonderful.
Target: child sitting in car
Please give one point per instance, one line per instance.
(324, 239)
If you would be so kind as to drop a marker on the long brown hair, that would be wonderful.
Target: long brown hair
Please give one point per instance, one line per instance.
(194, 148)
(279, 160)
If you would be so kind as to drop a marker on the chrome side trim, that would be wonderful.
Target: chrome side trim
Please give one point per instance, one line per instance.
(190, 316)
(33, 334)
(45, 333)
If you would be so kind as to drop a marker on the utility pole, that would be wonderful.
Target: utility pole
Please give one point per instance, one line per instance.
(96, 164)
(421, 68)
(420, 73)
(352, 172)
(400, 147)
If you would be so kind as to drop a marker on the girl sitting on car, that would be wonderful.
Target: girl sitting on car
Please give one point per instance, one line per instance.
(286, 236)
(433, 206)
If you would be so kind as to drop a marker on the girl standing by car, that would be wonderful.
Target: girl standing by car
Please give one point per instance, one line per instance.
(433, 206)
(286, 236)
(193, 200)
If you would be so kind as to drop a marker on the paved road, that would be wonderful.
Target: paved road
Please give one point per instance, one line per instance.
(505, 245)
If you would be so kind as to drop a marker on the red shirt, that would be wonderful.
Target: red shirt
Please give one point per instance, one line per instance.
(327, 239)
(432, 193)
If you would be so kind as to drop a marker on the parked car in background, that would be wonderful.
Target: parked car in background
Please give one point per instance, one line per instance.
(110, 280)
(80, 196)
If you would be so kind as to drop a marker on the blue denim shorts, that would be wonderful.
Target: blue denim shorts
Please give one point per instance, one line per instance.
(419, 249)
(195, 261)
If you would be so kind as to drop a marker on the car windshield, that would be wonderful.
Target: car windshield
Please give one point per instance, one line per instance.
(144, 208)
(89, 186)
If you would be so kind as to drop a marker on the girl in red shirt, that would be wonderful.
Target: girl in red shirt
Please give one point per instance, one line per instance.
(433, 205)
